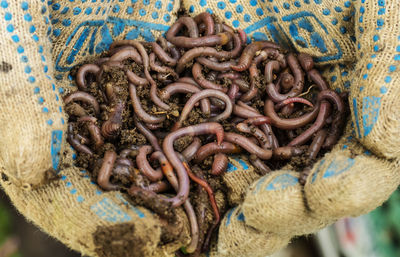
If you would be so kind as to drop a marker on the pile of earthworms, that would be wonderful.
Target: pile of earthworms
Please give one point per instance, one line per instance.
(254, 99)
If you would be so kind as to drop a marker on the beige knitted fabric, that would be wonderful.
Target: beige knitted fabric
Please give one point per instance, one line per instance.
(355, 43)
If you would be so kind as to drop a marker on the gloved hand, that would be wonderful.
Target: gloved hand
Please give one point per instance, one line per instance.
(355, 43)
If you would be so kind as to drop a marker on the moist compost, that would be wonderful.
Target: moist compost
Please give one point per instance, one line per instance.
(157, 120)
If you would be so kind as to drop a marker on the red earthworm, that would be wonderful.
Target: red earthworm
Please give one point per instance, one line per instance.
(162, 55)
(324, 112)
(111, 127)
(219, 28)
(135, 79)
(82, 72)
(304, 175)
(291, 123)
(233, 91)
(124, 161)
(306, 61)
(175, 54)
(207, 20)
(236, 49)
(202, 81)
(163, 42)
(267, 129)
(139, 111)
(207, 51)
(121, 170)
(188, 22)
(260, 166)
(153, 126)
(243, 85)
(254, 79)
(170, 175)
(214, 148)
(270, 67)
(211, 196)
(128, 52)
(164, 78)
(144, 165)
(84, 97)
(229, 75)
(298, 84)
(75, 143)
(105, 172)
(242, 35)
(163, 69)
(243, 112)
(188, 80)
(316, 144)
(241, 103)
(257, 133)
(158, 187)
(147, 134)
(249, 52)
(287, 110)
(227, 28)
(201, 95)
(286, 81)
(212, 75)
(220, 164)
(286, 152)
(293, 100)
(168, 147)
(214, 65)
(102, 60)
(273, 54)
(191, 150)
(245, 143)
(339, 118)
(259, 120)
(316, 77)
(93, 129)
(82, 139)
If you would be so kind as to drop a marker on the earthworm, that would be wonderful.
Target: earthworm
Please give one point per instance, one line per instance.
(76, 144)
(207, 20)
(191, 150)
(259, 165)
(233, 91)
(132, 151)
(273, 54)
(145, 167)
(267, 129)
(139, 111)
(102, 60)
(306, 61)
(212, 75)
(249, 52)
(304, 175)
(254, 78)
(293, 100)
(316, 77)
(202, 81)
(244, 142)
(298, 82)
(188, 80)
(126, 53)
(105, 172)
(153, 126)
(203, 51)
(183, 21)
(76, 110)
(287, 81)
(147, 134)
(93, 129)
(158, 187)
(170, 175)
(180, 87)
(291, 123)
(84, 97)
(324, 112)
(82, 139)
(316, 144)
(220, 164)
(164, 78)
(82, 72)
(243, 112)
(256, 132)
(111, 127)
(339, 118)
(286, 152)
(242, 36)
(175, 54)
(200, 95)
(259, 120)
(219, 28)
(163, 69)
(211, 196)
(229, 75)
(163, 42)
(162, 55)
(243, 85)
(213, 148)
(135, 79)
(270, 67)
(168, 147)
(124, 161)
(227, 28)
(215, 65)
